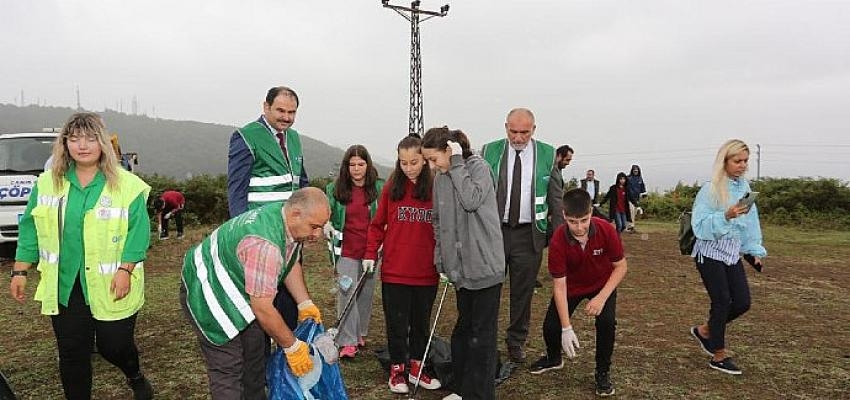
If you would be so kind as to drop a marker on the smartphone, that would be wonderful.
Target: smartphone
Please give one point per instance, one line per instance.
(752, 261)
(749, 199)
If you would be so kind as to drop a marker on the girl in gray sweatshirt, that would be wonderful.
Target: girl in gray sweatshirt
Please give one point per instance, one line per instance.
(469, 252)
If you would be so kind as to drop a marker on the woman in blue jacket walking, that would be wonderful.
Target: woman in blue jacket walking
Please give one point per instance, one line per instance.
(725, 229)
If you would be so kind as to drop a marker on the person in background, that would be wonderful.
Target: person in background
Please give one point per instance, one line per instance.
(724, 230)
(637, 189)
(354, 200)
(563, 157)
(591, 185)
(618, 199)
(528, 195)
(228, 285)
(586, 261)
(265, 164)
(465, 212)
(169, 206)
(92, 278)
(402, 225)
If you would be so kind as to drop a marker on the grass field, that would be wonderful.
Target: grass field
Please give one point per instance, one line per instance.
(794, 343)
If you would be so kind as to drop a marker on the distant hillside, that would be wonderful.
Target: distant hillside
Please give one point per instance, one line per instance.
(166, 147)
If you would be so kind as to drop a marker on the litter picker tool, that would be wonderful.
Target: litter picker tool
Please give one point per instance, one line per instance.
(430, 338)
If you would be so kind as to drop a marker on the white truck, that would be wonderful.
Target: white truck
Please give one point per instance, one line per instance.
(22, 159)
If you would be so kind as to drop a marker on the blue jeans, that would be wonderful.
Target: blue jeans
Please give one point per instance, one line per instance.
(620, 221)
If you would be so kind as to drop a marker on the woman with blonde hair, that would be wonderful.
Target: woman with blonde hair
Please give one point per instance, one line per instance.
(87, 228)
(725, 229)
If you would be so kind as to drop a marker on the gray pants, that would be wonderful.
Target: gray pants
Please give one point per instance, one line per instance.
(237, 369)
(356, 324)
(523, 265)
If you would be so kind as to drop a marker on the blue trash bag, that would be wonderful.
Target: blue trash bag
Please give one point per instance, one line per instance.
(323, 382)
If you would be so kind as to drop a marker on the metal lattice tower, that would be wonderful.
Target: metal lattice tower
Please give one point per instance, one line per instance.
(413, 15)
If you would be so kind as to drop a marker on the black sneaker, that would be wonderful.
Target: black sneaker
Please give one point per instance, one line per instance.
(142, 389)
(545, 364)
(726, 365)
(703, 342)
(604, 388)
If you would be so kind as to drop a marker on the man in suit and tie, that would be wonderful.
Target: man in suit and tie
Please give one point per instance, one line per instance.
(265, 164)
(528, 193)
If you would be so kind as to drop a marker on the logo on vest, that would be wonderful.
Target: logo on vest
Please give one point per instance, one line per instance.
(105, 201)
(103, 213)
(116, 239)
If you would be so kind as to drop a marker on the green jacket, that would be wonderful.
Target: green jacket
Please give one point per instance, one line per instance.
(273, 176)
(338, 218)
(215, 278)
(105, 233)
(544, 161)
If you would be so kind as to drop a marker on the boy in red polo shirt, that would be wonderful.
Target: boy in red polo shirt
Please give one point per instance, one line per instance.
(586, 261)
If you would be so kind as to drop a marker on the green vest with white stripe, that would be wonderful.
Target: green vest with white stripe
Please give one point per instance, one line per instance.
(338, 218)
(105, 229)
(273, 176)
(215, 278)
(544, 161)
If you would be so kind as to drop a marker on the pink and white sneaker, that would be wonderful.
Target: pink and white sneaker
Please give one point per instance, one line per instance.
(348, 352)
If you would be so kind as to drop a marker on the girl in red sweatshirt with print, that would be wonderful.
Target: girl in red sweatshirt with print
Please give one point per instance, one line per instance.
(409, 279)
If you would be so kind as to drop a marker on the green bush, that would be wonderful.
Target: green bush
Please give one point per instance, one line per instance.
(818, 203)
(206, 197)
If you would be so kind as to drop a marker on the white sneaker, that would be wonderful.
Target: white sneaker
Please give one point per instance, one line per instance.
(453, 396)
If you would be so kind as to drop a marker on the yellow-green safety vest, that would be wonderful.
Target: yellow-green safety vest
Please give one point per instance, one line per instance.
(105, 229)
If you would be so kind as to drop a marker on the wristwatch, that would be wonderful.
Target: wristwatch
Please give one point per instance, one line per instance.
(18, 273)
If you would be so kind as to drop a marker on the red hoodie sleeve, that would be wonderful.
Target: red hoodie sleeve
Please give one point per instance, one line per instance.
(378, 226)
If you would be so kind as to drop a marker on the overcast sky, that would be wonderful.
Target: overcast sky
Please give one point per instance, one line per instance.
(657, 83)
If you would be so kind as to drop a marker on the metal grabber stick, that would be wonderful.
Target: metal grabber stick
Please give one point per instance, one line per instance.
(345, 310)
(430, 337)
(325, 342)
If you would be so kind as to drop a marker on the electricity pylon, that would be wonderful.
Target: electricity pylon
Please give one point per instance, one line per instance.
(413, 14)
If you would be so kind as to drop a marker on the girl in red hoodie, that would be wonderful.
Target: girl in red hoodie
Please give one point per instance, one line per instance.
(409, 279)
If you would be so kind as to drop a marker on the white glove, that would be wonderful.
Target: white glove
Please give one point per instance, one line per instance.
(168, 215)
(368, 266)
(569, 341)
(444, 278)
(328, 230)
(455, 147)
(639, 211)
(324, 344)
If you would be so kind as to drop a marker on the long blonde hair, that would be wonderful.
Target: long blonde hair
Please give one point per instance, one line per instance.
(719, 177)
(84, 124)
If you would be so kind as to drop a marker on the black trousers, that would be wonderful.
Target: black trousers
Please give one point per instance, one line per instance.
(730, 296)
(523, 264)
(474, 343)
(606, 329)
(407, 311)
(178, 219)
(285, 305)
(75, 329)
